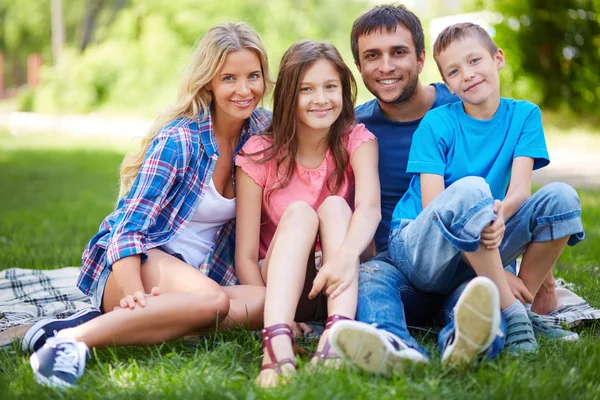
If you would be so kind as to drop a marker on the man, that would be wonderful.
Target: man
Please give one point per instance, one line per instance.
(388, 48)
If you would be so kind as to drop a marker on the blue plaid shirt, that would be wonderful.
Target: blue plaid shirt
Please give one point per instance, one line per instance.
(170, 185)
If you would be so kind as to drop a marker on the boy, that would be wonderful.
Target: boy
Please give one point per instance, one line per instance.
(448, 228)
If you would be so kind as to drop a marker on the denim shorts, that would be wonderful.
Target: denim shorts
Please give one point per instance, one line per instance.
(428, 250)
(98, 291)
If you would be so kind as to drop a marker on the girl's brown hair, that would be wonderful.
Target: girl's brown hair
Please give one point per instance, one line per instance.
(282, 133)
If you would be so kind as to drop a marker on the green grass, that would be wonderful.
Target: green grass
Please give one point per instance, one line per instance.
(53, 195)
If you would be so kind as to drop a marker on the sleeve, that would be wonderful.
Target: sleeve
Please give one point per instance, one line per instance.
(163, 166)
(247, 160)
(532, 142)
(357, 136)
(429, 146)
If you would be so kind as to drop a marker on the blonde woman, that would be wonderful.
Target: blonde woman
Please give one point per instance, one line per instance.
(161, 265)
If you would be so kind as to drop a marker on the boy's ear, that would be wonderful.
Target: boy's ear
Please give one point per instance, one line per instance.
(499, 59)
(358, 67)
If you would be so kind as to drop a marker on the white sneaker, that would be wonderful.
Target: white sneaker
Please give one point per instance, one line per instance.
(476, 322)
(371, 349)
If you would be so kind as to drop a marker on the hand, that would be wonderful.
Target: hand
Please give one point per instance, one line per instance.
(492, 235)
(335, 276)
(518, 288)
(300, 329)
(139, 297)
(545, 300)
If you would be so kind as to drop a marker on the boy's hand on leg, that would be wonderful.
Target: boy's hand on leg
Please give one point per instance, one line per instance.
(492, 235)
(518, 288)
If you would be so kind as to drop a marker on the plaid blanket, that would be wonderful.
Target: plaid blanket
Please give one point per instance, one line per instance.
(27, 296)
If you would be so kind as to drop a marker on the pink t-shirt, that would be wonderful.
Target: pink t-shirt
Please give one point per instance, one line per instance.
(309, 185)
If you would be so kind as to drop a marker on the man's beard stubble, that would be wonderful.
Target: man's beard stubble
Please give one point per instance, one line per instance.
(406, 94)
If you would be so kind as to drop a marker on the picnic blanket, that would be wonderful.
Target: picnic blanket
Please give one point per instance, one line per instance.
(27, 296)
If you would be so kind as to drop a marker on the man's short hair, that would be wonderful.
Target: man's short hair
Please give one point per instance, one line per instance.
(388, 16)
(460, 31)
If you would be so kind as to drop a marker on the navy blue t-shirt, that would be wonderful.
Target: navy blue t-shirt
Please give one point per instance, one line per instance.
(394, 140)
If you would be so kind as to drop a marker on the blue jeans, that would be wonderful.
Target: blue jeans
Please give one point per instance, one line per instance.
(428, 250)
(421, 278)
(388, 299)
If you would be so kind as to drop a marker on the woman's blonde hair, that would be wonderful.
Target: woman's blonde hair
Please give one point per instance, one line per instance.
(206, 61)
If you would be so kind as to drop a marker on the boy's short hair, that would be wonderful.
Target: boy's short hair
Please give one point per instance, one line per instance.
(459, 31)
(388, 16)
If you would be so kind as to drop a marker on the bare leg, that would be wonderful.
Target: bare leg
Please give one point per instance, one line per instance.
(284, 271)
(188, 300)
(538, 260)
(489, 264)
(334, 220)
(246, 307)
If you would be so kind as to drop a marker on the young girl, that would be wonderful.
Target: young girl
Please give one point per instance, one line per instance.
(298, 185)
(171, 233)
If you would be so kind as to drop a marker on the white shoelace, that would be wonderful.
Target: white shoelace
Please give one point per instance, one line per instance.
(67, 358)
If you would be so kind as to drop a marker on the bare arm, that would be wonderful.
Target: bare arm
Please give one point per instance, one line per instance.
(339, 271)
(431, 186)
(519, 188)
(248, 213)
(367, 200)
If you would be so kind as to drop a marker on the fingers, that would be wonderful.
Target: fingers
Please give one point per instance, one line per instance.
(318, 285)
(339, 290)
(296, 329)
(497, 206)
(154, 292)
(140, 297)
(526, 294)
(304, 328)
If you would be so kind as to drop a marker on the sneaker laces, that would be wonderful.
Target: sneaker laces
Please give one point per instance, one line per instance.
(67, 358)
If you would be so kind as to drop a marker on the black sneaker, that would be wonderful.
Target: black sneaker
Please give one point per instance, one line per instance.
(59, 363)
(37, 335)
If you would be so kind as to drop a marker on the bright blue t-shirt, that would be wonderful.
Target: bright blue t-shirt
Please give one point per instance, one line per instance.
(394, 140)
(454, 145)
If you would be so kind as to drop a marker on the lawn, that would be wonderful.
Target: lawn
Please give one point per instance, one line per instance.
(53, 195)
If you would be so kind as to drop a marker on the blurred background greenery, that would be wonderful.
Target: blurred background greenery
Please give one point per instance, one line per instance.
(126, 56)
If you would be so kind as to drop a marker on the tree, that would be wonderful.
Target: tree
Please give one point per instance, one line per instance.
(552, 49)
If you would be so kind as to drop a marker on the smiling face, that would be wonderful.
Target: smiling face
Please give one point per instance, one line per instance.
(389, 64)
(319, 97)
(470, 71)
(238, 87)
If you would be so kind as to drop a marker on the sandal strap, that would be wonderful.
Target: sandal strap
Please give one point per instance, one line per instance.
(333, 319)
(269, 333)
(276, 366)
(324, 354)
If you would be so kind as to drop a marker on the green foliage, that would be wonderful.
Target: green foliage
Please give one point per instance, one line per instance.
(137, 60)
(552, 51)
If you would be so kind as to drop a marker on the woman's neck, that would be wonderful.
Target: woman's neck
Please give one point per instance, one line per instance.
(225, 127)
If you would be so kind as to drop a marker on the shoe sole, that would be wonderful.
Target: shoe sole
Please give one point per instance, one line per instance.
(476, 319)
(34, 333)
(366, 348)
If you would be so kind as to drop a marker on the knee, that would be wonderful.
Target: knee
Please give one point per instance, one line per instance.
(334, 207)
(214, 301)
(299, 213)
(471, 187)
(560, 197)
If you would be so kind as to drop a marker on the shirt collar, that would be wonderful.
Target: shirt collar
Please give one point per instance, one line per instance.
(207, 133)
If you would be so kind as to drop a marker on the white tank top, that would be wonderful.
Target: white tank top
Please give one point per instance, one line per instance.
(199, 236)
